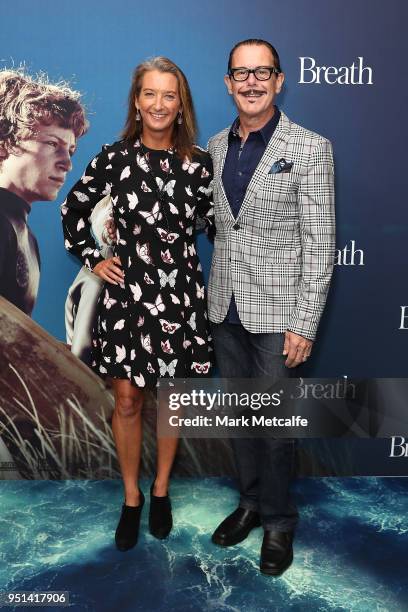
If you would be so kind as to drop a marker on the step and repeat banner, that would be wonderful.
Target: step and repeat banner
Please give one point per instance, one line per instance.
(344, 72)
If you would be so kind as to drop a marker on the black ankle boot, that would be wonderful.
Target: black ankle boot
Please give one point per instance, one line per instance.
(160, 518)
(127, 530)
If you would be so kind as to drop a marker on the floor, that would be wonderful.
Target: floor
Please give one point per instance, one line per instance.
(350, 550)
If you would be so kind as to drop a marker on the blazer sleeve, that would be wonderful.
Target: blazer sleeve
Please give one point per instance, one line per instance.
(78, 206)
(205, 204)
(317, 231)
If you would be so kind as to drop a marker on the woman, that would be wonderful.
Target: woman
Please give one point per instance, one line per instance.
(152, 318)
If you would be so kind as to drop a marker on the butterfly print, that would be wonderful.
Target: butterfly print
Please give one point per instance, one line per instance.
(155, 308)
(206, 191)
(140, 380)
(189, 211)
(192, 321)
(153, 322)
(166, 347)
(167, 278)
(146, 343)
(133, 200)
(143, 251)
(152, 216)
(142, 163)
(168, 327)
(164, 369)
(145, 187)
(107, 301)
(199, 291)
(201, 368)
(168, 237)
(165, 166)
(82, 197)
(125, 173)
(120, 353)
(189, 166)
(168, 187)
(136, 291)
(166, 257)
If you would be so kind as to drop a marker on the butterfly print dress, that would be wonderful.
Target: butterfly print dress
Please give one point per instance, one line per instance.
(154, 324)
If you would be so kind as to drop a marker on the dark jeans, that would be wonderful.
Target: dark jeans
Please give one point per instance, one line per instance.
(265, 465)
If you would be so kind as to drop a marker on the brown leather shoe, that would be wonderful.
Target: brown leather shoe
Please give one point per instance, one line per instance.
(236, 527)
(276, 552)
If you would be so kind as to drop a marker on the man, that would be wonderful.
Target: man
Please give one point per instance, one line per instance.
(272, 264)
(39, 126)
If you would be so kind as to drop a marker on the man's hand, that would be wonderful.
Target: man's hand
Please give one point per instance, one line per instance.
(297, 349)
(109, 270)
(111, 230)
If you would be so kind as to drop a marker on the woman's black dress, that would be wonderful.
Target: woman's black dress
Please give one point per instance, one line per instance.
(155, 323)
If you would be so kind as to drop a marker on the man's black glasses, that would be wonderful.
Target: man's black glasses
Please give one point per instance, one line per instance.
(262, 73)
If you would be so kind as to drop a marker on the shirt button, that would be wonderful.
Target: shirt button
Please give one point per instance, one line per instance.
(239, 173)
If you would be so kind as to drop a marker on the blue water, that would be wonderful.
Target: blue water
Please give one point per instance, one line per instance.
(350, 550)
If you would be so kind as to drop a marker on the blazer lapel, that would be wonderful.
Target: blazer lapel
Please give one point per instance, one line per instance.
(275, 149)
(222, 154)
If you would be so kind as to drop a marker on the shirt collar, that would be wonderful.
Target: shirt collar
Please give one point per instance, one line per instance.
(13, 204)
(266, 131)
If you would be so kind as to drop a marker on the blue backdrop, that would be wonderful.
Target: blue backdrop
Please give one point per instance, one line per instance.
(97, 44)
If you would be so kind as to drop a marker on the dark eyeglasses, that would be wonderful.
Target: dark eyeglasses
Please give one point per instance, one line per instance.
(262, 73)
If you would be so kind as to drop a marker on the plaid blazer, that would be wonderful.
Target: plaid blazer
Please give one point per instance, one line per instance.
(277, 256)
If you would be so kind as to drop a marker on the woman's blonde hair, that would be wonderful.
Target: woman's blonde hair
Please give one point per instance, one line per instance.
(184, 134)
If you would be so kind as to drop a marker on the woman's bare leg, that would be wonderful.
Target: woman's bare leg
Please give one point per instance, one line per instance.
(127, 433)
(166, 451)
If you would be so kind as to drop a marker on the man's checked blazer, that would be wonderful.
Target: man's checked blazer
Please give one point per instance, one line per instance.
(277, 256)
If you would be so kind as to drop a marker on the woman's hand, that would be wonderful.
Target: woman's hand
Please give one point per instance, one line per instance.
(109, 270)
(110, 228)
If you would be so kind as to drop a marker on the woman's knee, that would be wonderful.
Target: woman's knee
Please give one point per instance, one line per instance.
(128, 406)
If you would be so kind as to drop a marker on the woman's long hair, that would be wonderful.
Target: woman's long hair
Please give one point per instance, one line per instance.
(184, 134)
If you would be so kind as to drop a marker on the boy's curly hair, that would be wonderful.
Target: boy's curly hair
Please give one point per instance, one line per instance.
(26, 102)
